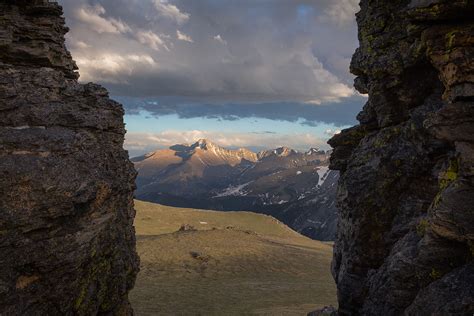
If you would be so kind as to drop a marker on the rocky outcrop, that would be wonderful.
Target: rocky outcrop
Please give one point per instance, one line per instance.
(405, 241)
(67, 244)
(326, 311)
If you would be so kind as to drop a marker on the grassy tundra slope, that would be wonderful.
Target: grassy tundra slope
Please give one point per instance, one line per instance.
(235, 263)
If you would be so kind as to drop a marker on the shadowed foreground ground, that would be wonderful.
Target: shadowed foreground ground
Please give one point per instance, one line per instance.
(236, 263)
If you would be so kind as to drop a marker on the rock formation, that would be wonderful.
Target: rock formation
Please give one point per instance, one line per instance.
(67, 244)
(405, 240)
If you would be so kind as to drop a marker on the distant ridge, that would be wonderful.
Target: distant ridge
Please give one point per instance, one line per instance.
(283, 182)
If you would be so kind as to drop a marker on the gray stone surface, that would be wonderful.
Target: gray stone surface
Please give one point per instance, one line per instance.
(406, 193)
(67, 244)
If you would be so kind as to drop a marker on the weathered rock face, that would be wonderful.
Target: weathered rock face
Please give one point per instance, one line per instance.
(67, 244)
(405, 240)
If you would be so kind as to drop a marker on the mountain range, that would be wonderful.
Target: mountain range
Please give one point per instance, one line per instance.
(295, 187)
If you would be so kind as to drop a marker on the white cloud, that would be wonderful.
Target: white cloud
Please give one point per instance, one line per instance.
(333, 90)
(76, 44)
(335, 93)
(332, 132)
(92, 16)
(113, 68)
(184, 37)
(151, 40)
(81, 44)
(341, 12)
(170, 11)
(144, 142)
(220, 39)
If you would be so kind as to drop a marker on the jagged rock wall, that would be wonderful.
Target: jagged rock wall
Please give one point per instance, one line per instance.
(67, 244)
(405, 241)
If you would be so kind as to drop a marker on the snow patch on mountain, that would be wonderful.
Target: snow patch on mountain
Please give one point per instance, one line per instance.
(322, 173)
(234, 190)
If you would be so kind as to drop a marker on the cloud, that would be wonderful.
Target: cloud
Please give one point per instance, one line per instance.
(243, 51)
(151, 40)
(332, 132)
(141, 143)
(81, 44)
(335, 93)
(341, 12)
(340, 114)
(220, 40)
(264, 132)
(92, 16)
(112, 67)
(76, 44)
(165, 9)
(184, 37)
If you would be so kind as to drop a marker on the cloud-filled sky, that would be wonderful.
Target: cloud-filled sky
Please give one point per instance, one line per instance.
(221, 69)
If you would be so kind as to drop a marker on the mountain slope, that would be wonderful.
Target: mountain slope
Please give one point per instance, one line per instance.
(190, 170)
(281, 182)
(313, 215)
(234, 263)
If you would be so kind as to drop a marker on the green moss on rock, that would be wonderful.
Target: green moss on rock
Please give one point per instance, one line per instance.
(422, 227)
(450, 175)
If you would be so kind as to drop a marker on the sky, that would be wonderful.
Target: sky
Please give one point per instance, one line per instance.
(243, 73)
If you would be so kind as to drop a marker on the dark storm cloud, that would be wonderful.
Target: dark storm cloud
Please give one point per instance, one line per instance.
(266, 51)
(340, 114)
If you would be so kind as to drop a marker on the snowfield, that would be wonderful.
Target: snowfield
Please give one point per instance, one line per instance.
(322, 173)
(234, 190)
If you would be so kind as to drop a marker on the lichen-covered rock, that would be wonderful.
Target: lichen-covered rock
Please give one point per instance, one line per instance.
(67, 244)
(326, 311)
(405, 241)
